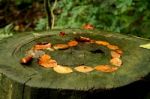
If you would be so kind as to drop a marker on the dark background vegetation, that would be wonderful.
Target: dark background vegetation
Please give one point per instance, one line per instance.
(124, 16)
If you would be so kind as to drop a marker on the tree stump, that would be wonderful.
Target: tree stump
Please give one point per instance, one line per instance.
(19, 81)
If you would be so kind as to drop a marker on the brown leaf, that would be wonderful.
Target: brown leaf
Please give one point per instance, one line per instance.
(83, 39)
(83, 69)
(72, 43)
(105, 68)
(62, 69)
(116, 61)
(26, 60)
(60, 46)
(62, 34)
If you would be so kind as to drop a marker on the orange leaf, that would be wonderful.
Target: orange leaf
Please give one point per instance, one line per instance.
(116, 61)
(42, 46)
(61, 46)
(88, 27)
(45, 57)
(73, 43)
(105, 68)
(114, 54)
(104, 43)
(112, 47)
(119, 51)
(46, 61)
(50, 63)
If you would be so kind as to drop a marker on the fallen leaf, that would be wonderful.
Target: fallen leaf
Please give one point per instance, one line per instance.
(50, 49)
(83, 39)
(105, 68)
(84, 69)
(62, 69)
(48, 64)
(45, 57)
(104, 43)
(114, 54)
(62, 34)
(116, 61)
(92, 41)
(119, 51)
(112, 47)
(146, 46)
(88, 27)
(60, 46)
(46, 61)
(42, 46)
(26, 60)
(72, 43)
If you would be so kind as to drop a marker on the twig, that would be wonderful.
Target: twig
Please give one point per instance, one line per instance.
(50, 12)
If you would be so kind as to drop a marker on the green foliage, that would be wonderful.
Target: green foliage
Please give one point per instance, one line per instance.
(18, 2)
(125, 16)
(6, 31)
(41, 24)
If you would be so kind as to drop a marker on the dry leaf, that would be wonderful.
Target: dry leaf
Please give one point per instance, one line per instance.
(26, 60)
(60, 46)
(45, 57)
(114, 54)
(104, 43)
(83, 69)
(88, 27)
(112, 47)
(105, 68)
(92, 41)
(62, 34)
(48, 64)
(42, 46)
(46, 61)
(147, 46)
(62, 69)
(50, 49)
(72, 43)
(116, 61)
(83, 39)
(119, 51)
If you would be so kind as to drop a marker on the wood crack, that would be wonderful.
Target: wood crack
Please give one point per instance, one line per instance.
(24, 84)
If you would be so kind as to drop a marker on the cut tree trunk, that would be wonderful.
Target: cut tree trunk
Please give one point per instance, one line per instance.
(19, 81)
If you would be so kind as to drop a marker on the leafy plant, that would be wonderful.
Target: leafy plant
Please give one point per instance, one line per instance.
(41, 24)
(125, 16)
(6, 31)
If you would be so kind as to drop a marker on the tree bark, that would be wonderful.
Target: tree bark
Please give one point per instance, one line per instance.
(19, 81)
